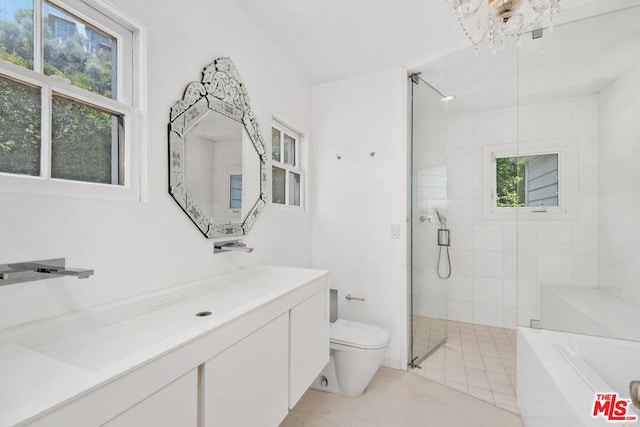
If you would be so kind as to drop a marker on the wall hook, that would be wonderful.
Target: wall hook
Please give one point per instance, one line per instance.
(373, 153)
(338, 156)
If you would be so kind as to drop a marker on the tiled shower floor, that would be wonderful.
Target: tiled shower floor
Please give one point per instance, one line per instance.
(477, 360)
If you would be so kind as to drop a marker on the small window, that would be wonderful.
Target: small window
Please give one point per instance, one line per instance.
(527, 181)
(286, 172)
(530, 180)
(67, 81)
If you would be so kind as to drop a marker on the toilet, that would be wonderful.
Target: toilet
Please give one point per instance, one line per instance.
(357, 350)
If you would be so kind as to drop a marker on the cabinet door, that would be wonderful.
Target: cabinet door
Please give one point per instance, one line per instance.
(309, 340)
(247, 384)
(174, 405)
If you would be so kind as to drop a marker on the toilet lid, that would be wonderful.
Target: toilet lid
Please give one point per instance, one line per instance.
(360, 335)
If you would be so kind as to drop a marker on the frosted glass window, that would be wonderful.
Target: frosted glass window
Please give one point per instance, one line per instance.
(287, 174)
(294, 189)
(278, 185)
(275, 144)
(289, 150)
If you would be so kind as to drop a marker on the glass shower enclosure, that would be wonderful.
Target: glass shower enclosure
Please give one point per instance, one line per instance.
(429, 239)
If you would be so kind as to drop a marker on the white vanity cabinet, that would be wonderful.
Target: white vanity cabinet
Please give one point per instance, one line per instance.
(172, 406)
(247, 385)
(246, 365)
(309, 343)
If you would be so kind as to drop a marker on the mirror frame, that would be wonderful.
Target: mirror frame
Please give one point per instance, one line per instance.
(221, 90)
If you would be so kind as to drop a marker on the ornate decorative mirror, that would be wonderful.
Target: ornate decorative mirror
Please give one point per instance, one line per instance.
(217, 157)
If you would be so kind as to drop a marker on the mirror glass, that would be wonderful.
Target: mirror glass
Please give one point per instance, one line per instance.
(217, 168)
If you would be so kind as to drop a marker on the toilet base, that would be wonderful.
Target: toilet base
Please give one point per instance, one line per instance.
(328, 376)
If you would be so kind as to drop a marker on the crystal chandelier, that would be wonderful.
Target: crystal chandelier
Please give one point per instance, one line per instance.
(493, 20)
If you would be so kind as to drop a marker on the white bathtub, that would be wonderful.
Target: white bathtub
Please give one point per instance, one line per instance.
(590, 311)
(559, 374)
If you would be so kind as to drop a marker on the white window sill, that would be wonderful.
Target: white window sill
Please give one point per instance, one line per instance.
(58, 187)
(285, 208)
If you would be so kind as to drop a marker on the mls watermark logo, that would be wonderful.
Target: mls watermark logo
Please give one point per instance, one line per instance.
(612, 409)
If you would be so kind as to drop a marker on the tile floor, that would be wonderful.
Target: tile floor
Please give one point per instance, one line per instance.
(477, 360)
(399, 399)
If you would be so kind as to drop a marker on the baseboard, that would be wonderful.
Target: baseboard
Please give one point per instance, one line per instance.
(394, 362)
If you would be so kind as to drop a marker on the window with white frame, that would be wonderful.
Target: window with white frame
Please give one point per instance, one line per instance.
(67, 92)
(524, 180)
(286, 170)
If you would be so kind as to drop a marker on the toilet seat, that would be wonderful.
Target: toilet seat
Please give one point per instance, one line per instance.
(358, 335)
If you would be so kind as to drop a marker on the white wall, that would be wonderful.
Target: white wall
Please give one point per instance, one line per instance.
(619, 187)
(491, 256)
(138, 247)
(357, 198)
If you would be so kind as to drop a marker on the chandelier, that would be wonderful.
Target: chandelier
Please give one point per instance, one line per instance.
(493, 20)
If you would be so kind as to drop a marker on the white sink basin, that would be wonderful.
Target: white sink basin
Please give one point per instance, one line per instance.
(45, 363)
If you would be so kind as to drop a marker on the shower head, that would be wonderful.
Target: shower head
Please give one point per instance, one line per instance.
(441, 218)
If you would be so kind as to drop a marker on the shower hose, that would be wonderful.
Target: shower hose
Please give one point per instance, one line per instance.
(441, 275)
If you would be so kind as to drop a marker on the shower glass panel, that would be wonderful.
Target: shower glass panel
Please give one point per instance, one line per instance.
(579, 260)
(428, 182)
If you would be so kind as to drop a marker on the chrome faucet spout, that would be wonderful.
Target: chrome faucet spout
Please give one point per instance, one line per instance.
(74, 272)
(231, 245)
(19, 272)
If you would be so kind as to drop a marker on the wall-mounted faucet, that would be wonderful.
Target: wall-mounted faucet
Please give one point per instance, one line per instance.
(20, 272)
(231, 245)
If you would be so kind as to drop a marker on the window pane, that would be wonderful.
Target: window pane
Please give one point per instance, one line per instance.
(19, 128)
(289, 150)
(275, 144)
(235, 192)
(278, 177)
(78, 52)
(86, 143)
(16, 32)
(294, 189)
(527, 181)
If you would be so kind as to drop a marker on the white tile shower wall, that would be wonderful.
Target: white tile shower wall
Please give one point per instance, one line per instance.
(357, 198)
(489, 257)
(138, 247)
(619, 187)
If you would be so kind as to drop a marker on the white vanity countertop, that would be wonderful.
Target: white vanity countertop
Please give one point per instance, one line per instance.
(48, 364)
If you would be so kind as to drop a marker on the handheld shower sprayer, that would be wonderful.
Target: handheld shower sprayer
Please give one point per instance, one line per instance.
(444, 241)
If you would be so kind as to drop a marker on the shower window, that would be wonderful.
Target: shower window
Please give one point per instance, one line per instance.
(527, 181)
(531, 180)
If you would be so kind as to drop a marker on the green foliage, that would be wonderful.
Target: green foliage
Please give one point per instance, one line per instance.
(19, 129)
(81, 135)
(16, 39)
(509, 176)
(81, 142)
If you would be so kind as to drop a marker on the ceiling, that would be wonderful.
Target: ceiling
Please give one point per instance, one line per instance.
(335, 39)
(587, 50)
